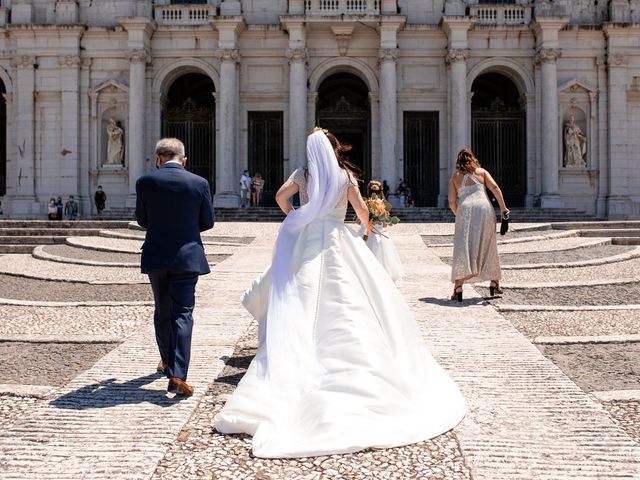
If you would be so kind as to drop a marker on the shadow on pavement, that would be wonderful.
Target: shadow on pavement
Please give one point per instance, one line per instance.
(110, 393)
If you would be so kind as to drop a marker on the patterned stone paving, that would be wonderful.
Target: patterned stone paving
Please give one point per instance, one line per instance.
(114, 421)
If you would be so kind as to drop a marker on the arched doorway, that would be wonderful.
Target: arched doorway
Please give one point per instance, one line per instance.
(498, 120)
(189, 115)
(343, 108)
(3, 141)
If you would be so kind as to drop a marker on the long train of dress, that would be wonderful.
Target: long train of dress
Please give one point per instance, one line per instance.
(379, 386)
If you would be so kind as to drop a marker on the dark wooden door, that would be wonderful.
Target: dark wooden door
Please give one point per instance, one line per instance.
(266, 151)
(194, 126)
(421, 157)
(498, 138)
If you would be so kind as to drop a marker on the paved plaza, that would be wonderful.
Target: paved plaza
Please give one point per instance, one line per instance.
(550, 369)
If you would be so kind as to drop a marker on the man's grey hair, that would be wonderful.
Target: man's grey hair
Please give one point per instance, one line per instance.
(170, 147)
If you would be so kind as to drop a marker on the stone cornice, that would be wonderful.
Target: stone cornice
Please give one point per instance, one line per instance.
(145, 24)
(455, 55)
(69, 60)
(228, 55)
(24, 61)
(297, 55)
(547, 55)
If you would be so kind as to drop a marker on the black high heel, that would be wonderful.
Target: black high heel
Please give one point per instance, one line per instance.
(457, 293)
(494, 287)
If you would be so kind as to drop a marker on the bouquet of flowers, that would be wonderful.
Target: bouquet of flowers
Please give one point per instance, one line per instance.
(379, 212)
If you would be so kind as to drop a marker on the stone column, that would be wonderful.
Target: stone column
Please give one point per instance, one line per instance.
(388, 115)
(227, 188)
(618, 202)
(23, 203)
(547, 58)
(458, 99)
(135, 133)
(70, 93)
(297, 107)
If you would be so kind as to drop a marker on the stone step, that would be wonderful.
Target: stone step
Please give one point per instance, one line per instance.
(67, 232)
(611, 232)
(10, 249)
(31, 240)
(41, 224)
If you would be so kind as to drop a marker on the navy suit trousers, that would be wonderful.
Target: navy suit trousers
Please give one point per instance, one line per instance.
(174, 296)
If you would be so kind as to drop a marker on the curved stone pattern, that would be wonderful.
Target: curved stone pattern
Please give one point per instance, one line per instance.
(134, 246)
(544, 245)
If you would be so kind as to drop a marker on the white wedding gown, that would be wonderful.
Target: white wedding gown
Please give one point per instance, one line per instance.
(373, 384)
(385, 251)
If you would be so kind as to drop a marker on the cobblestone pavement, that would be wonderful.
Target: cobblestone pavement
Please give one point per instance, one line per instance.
(20, 288)
(543, 245)
(627, 414)
(116, 321)
(576, 323)
(13, 408)
(598, 367)
(616, 294)
(201, 452)
(52, 364)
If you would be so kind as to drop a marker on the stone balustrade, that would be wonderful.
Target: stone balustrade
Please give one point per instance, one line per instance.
(195, 14)
(501, 14)
(342, 7)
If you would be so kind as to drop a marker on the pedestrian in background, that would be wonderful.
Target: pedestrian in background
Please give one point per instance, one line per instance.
(71, 208)
(100, 199)
(385, 189)
(59, 208)
(52, 210)
(257, 186)
(245, 189)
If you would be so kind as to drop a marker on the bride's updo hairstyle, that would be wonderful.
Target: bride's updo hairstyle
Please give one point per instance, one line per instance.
(467, 161)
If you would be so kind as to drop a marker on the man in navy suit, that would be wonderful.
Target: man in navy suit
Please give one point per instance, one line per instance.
(174, 206)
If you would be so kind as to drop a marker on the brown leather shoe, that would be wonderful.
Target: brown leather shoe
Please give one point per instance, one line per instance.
(162, 367)
(179, 387)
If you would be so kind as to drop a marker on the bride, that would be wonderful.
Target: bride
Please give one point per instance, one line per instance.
(340, 365)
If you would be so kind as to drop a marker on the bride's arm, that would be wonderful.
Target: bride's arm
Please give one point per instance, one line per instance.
(356, 201)
(284, 194)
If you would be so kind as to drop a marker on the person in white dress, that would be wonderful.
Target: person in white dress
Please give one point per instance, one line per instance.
(380, 243)
(340, 365)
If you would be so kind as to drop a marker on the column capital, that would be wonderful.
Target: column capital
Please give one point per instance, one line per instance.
(228, 55)
(455, 55)
(617, 60)
(139, 55)
(69, 61)
(547, 55)
(297, 55)
(24, 61)
(387, 55)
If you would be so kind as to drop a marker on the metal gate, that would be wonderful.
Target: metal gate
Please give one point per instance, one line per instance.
(499, 143)
(266, 152)
(194, 125)
(421, 157)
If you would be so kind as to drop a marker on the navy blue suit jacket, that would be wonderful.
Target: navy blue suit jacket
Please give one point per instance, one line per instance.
(174, 206)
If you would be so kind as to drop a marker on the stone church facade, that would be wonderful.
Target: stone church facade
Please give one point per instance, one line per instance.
(546, 92)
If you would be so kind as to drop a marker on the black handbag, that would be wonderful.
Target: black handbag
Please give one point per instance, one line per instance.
(504, 224)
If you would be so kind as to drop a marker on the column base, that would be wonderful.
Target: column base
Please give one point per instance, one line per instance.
(551, 201)
(130, 202)
(618, 208)
(226, 200)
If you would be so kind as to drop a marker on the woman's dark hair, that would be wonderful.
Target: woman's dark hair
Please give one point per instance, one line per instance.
(467, 161)
(340, 150)
(375, 187)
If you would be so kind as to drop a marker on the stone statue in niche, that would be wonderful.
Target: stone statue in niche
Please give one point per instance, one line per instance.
(575, 144)
(115, 143)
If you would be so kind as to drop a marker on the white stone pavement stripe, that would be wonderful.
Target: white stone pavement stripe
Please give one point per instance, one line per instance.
(115, 421)
(37, 391)
(618, 395)
(559, 340)
(527, 419)
(564, 308)
(508, 241)
(576, 283)
(635, 253)
(34, 338)
(34, 303)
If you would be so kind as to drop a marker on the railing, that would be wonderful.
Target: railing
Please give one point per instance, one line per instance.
(184, 14)
(342, 7)
(501, 14)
